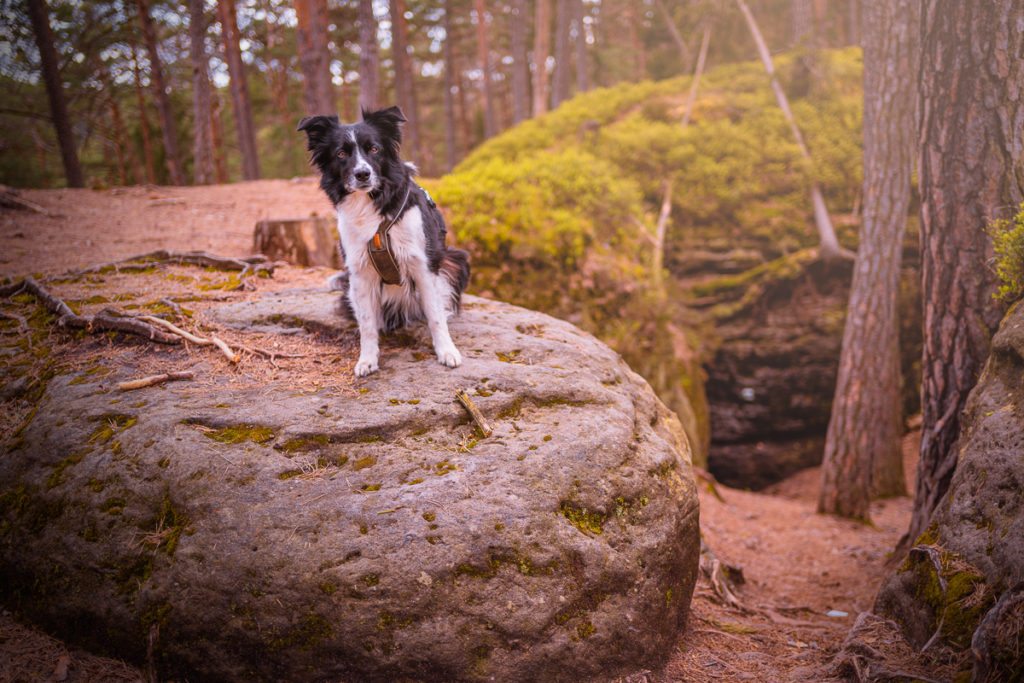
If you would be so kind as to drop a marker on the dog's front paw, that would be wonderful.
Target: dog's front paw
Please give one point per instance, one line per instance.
(365, 366)
(449, 356)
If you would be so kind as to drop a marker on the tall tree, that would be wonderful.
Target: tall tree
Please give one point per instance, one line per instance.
(147, 143)
(862, 447)
(239, 90)
(541, 48)
(563, 61)
(202, 128)
(314, 58)
(971, 170)
(484, 58)
(828, 244)
(40, 17)
(520, 63)
(404, 82)
(582, 67)
(451, 153)
(369, 58)
(168, 128)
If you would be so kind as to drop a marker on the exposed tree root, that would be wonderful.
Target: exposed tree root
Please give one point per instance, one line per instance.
(154, 379)
(249, 265)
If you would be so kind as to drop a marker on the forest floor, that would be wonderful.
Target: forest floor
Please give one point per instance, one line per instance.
(806, 576)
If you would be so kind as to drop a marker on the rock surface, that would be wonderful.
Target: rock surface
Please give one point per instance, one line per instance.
(228, 532)
(977, 535)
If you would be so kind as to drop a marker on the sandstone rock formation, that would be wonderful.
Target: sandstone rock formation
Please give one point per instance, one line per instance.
(220, 531)
(963, 583)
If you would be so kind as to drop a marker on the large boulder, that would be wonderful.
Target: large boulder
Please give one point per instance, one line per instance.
(218, 530)
(963, 582)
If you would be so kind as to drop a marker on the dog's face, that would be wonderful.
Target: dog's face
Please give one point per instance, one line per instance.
(354, 157)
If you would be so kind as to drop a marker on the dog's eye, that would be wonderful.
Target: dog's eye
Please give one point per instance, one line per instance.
(373, 149)
(342, 154)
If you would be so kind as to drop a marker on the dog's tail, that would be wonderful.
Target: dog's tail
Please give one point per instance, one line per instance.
(455, 269)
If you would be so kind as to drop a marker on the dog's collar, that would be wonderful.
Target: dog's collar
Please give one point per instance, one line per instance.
(382, 256)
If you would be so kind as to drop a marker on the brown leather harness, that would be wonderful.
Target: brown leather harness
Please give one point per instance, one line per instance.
(382, 256)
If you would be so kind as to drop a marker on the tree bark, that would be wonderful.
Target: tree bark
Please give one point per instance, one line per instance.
(484, 59)
(40, 17)
(315, 62)
(563, 61)
(202, 133)
(829, 245)
(147, 143)
(451, 153)
(520, 63)
(582, 64)
(239, 90)
(369, 59)
(541, 47)
(971, 170)
(801, 15)
(404, 89)
(863, 456)
(168, 128)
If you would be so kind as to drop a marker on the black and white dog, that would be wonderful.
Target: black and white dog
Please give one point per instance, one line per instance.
(372, 188)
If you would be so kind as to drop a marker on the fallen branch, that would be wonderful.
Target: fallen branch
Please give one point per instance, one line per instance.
(474, 412)
(12, 198)
(153, 380)
(105, 320)
(248, 265)
(232, 356)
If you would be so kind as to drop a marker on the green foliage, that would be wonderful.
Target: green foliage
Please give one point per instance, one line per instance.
(1008, 242)
(560, 212)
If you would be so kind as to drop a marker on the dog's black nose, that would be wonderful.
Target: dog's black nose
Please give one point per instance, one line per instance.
(362, 175)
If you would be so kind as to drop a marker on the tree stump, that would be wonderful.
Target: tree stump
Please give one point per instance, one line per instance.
(309, 241)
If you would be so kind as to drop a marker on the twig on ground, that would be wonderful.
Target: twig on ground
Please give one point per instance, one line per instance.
(232, 356)
(154, 379)
(474, 412)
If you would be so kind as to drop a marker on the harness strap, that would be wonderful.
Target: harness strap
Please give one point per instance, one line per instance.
(382, 256)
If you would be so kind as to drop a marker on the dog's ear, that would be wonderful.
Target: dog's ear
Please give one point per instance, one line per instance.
(389, 122)
(316, 128)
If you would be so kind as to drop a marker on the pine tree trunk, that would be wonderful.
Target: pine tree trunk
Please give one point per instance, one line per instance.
(239, 90)
(40, 17)
(147, 143)
(403, 75)
(450, 150)
(541, 47)
(202, 135)
(801, 16)
(582, 64)
(369, 59)
(484, 59)
(314, 60)
(168, 128)
(972, 170)
(520, 63)
(862, 449)
(563, 61)
(217, 136)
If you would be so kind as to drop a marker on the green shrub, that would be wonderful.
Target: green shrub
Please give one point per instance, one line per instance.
(1008, 241)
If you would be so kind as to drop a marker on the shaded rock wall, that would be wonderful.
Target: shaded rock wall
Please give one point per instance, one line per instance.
(965, 576)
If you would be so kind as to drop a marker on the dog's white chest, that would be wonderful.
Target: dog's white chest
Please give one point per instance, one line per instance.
(358, 220)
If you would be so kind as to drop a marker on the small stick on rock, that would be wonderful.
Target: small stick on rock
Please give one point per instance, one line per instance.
(232, 356)
(474, 412)
(154, 379)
